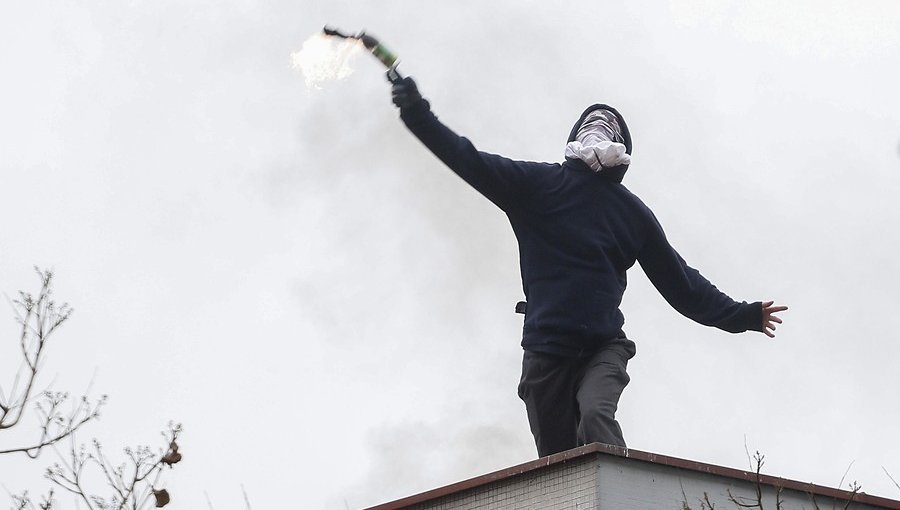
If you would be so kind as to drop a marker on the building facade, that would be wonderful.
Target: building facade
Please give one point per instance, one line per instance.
(599, 476)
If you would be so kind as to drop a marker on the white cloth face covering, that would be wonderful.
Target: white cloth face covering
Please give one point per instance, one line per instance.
(599, 142)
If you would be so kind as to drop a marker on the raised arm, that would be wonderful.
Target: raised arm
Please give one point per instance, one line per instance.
(502, 180)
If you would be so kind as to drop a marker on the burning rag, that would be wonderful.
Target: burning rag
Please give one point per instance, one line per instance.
(599, 142)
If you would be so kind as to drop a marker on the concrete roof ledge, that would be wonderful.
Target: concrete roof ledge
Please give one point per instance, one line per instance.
(604, 476)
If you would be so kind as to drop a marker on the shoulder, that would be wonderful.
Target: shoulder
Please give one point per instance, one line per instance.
(641, 213)
(535, 171)
(631, 198)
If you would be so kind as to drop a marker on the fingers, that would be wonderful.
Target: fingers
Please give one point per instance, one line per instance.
(400, 94)
(404, 92)
(769, 306)
(770, 319)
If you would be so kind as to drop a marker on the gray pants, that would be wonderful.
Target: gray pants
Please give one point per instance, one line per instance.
(573, 401)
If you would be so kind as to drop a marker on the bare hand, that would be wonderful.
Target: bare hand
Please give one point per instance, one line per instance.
(769, 319)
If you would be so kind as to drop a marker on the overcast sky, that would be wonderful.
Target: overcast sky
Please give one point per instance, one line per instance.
(329, 311)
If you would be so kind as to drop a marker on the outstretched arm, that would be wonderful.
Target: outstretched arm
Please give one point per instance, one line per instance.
(769, 309)
(502, 180)
(694, 296)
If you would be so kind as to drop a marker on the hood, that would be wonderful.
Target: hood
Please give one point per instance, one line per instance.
(618, 172)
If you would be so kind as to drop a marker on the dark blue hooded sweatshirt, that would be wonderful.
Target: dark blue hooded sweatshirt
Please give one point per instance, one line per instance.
(579, 231)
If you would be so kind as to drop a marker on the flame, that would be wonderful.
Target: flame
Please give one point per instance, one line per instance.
(324, 58)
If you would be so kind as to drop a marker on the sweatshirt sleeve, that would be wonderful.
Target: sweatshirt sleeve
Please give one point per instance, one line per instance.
(501, 180)
(690, 293)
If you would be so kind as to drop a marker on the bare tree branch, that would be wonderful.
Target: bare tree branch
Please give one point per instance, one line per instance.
(891, 477)
(743, 502)
(854, 490)
(246, 499)
(132, 482)
(54, 425)
(39, 316)
(844, 476)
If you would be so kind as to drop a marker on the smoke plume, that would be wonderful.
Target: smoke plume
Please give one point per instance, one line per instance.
(324, 58)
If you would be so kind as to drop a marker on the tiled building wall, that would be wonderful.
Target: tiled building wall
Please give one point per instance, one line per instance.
(603, 477)
(570, 485)
(617, 483)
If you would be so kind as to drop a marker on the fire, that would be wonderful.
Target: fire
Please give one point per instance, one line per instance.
(324, 58)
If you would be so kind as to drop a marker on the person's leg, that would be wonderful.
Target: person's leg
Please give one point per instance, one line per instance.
(603, 380)
(548, 389)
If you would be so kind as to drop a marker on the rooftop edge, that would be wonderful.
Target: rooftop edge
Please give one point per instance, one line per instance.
(638, 455)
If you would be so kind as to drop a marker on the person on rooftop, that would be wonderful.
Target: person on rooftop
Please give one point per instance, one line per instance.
(579, 230)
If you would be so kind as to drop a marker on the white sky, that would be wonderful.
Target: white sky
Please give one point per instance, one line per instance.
(328, 310)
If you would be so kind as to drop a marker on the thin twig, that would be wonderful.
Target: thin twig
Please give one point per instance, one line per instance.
(741, 501)
(841, 483)
(891, 477)
(246, 499)
(39, 317)
(684, 499)
(67, 430)
(855, 490)
(747, 451)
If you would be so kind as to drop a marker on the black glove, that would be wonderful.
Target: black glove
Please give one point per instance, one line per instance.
(404, 92)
